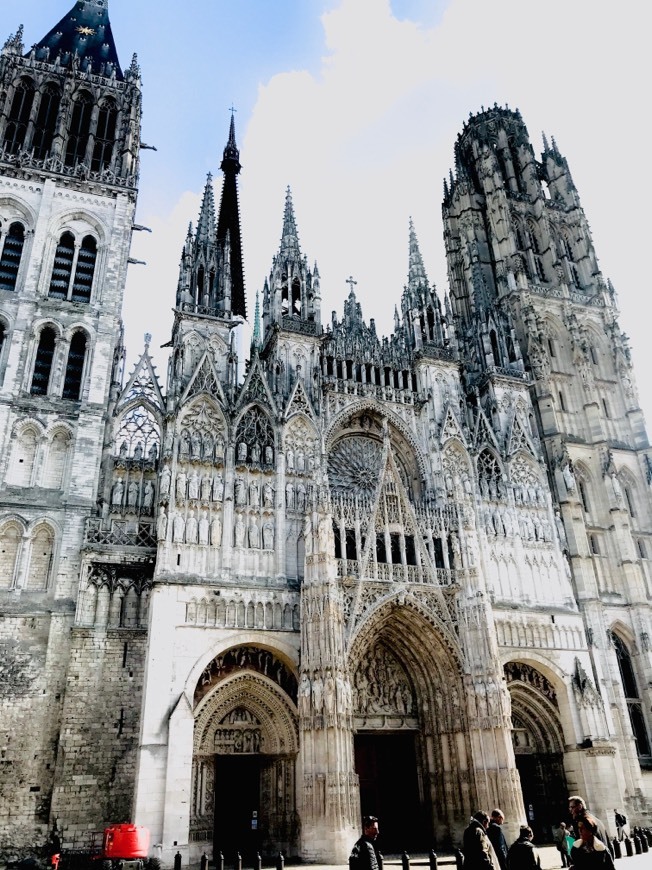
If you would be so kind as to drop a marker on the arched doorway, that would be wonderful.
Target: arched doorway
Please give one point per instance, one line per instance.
(245, 746)
(538, 748)
(410, 732)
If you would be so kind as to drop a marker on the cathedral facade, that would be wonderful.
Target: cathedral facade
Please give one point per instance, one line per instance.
(407, 575)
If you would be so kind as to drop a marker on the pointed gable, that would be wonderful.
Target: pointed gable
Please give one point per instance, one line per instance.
(451, 427)
(204, 380)
(256, 389)
(299, 403)
(143, 384)
(519, 438)
(484, 435)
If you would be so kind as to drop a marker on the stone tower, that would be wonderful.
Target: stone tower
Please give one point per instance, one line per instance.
(69, 150)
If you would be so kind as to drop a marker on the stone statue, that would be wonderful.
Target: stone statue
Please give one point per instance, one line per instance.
(184, 446)
(218, 488)
(268, 536)
(161, 525)
(569, 477)
(301, 497)
(181, 486)
(216, 531)
(138, 452)
(269, 455)
(195, 445)
(193, 485)
(255, 452)
(254, 534)
(326, 536)
(330, 695)
(254, 493)
(203, 529)
(148, 497)
(132, 495)
(191, 528)
(206, 487)
(240, 491)
(301, 463)
(178, 529)
(166, 476)
(219, 446)
(617, 488)
(242, 451)
(317, 692)
(152, 453)
(124, 449)
(304, 695)
(239, 531)
(117, 493)
(289, 496)
(289, 459)
(307, 536)
(168, 442)
(268, 495)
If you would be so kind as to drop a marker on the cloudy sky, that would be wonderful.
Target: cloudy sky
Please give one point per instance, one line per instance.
(356, 105)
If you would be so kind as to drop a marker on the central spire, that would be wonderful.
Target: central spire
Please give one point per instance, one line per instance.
(229, 237)
(289, 236)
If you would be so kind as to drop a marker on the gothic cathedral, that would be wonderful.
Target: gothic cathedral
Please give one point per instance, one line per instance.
(407, 575)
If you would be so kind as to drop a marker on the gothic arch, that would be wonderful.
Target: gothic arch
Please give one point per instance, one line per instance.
(12, 531)
(338, 422)
(42, 548)
(80, 223)
(27, 437)
(13, 207)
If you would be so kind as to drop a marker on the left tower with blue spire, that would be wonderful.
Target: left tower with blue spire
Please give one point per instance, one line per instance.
(70, 118)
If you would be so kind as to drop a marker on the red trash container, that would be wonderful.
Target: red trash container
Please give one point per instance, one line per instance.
(125, 841)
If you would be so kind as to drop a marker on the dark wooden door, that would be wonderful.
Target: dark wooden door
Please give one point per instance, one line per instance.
(237, 807)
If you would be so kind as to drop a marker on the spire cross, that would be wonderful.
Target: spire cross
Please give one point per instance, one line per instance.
(232, 109)
(351, 283)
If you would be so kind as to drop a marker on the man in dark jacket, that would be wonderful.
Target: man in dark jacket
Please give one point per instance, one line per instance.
(522, 854)
(364, 855)
(495, 834)
(478, 852)
(578, 809)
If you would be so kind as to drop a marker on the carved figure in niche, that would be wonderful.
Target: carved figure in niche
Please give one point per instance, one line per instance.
(301, 462)
(239, 531)
(216, 531)
(269, 455)
(255, 453)
(569, 477)
(206, 487)
(457, 551)
(166, 476)
(304, 695)
(301, 497)
(184, 446)
(254, 534)
(219, 446)
(207, 447)
(193, 485)
(466, 483)
(124, 449)
(195, 445)
(242, 451)
(218, 488)
(268, 536)
(161, 525)
(289, 496)
(618, 491)
(307, 536)
(168, 442)
(289, 459)
(152, 453)
(317, 692)
(203, 529)
(448, 481)
(148, 497)
(268, 495)
(254, 494)
(191, 528)
(181, 486)
(178, 529)
(138, 451)
(326, 535)
(117, 493)
(329, 695)
(132, 495)
(240, 491)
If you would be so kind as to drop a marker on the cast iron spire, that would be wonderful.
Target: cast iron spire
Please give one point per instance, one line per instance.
(228, 223)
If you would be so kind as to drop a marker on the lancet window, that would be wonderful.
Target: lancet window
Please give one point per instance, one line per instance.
(69, 260)
(46, 121)
(138, 435)
(19, 115)
(75, 367)
(43, 362)
(12, 241)
(489, 475)
(632, 695)
(80, 128)
(40, 563)
(10, 539)
(104, 139)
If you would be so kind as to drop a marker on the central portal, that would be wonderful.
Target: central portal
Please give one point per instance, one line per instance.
(237, 806)
(389, 788)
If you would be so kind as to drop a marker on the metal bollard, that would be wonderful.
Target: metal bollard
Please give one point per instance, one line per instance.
(432, 859)
(237, 864)
(459, 859)
(280, 861)
(629, 848)
(637, 844)
(219, 861)
(203, 864)
(177, 861)
(617, 850)
(405, 861)
(644, 842)
(258, 862)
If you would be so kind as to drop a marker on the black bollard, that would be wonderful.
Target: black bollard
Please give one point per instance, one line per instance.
(258, 862)
(617, 850)
(219, 861)
(629, 848)
(644, 843)
(280, 861)
(432, 859)
(459, 859)
(637, 844)
(177, 861)
(405, 861)
(237, 864)
(203, 864)
(648, 834)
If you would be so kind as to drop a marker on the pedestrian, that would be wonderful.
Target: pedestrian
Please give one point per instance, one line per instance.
(364, 855)
(478, 852)
(495, 834)
(561, 842)
(523, 854)
(578, 809)
(622, 828)
(589, 852)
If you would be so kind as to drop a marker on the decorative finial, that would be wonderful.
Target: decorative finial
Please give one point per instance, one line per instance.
(148, 340)
(351, 284)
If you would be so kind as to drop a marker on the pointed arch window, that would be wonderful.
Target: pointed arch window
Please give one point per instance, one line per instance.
(75, 367)
(584, 498)
(632, 696)
(56, 461)
(46, 121)
(23, 458)
(83, 283)
(62, 269)
(494, 347)
(104, 136)
(80, 128)
(10, 540)
(11, 248)
(43, 362)
(19, 115)
(40, 563)
(296, 298)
